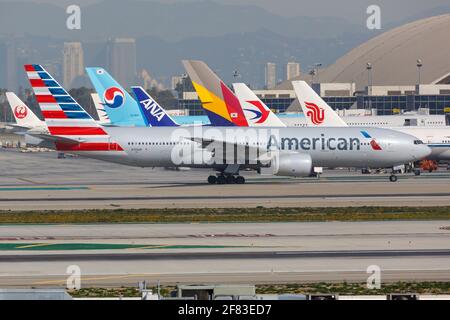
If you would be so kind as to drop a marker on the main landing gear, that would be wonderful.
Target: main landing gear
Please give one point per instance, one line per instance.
(226, 179)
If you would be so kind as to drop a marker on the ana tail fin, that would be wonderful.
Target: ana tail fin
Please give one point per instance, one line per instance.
(156, 116)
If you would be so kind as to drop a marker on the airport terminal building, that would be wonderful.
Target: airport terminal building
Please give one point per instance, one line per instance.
(404, 69)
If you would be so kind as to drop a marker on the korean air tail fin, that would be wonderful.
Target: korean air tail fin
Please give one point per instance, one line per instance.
(69, 125)
(121, 108)
(256, 112)
(317, 112)
(22, 113)
(220, 103)
(155, 115)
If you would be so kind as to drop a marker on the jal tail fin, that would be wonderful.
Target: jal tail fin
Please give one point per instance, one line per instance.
(103, 118)
(24, 116)
(156, 115)
(65, 118)
(317, 112)
(221, 105)
(120, 106)
(256, 112)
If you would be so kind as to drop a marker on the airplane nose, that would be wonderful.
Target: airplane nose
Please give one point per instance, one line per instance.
(421, 152)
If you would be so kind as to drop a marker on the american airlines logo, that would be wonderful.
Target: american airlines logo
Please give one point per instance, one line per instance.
(151, 106)
(315, 113)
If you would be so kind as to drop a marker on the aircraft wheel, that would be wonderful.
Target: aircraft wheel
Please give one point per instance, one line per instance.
(221, 180)
(240, 180)
(231, 180)
(212, 179)
(393, 178)
(417, 172)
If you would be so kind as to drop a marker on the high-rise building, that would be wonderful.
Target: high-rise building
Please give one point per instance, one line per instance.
(292, 70)
(176, 80)
(271, 75)
(8, 65)
(73, 63)
(121, 60)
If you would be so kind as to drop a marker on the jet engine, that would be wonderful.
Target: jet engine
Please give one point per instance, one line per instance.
(292, 165)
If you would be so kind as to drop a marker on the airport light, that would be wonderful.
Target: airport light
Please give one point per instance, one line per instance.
(419, 65)
(369, 78)
(312, 73)
(316, 67)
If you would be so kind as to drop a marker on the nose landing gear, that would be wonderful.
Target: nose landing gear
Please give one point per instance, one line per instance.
(393, 178)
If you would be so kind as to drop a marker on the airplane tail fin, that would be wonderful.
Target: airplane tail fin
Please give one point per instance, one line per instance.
(121, 108)
(220, 103)
(24, 116)
(256, 112)
(156, 115)
(103, 118)
(317, 112)
(71, 127)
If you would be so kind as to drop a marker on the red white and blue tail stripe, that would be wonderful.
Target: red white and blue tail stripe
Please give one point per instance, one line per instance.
(65, 117)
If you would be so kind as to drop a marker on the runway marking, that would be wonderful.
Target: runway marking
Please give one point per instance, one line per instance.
(36, 245)
(94, 278)
(101, 246)
(42, 188)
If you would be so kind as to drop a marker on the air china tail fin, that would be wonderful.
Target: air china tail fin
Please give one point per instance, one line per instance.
(22, 113)
(317, 112)
(69, 125)
(155, 115)
(221, 105)
(256, 112)
(103, 118)
(121, 108)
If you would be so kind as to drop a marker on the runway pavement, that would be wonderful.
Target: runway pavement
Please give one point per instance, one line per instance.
(32, 181)
(123, 254)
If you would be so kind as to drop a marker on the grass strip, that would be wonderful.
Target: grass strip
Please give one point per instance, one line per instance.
(258, 214)
(342, 288)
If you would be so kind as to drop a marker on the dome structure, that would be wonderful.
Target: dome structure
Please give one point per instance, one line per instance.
(394, 55)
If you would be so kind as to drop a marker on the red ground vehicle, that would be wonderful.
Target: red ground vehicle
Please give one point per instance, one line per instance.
(429, 165)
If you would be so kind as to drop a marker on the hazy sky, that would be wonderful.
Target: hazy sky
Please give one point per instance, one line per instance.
(352, 10)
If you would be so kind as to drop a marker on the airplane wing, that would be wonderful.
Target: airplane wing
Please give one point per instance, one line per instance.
(235, 151)
(51, 138)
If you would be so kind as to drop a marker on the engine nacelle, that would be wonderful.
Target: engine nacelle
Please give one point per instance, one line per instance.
(292, 165)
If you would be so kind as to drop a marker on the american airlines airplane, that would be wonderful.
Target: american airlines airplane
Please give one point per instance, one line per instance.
(320, 114)
(287, 151)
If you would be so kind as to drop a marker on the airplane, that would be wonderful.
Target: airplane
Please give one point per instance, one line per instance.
(437, 138)
(121, 108)
(255, 111)
(155, 115)
(100, 108)
(287, 151)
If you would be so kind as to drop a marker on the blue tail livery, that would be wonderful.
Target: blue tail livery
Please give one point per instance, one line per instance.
(154, 114)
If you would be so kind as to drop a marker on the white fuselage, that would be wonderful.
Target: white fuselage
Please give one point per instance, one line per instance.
(328, 147)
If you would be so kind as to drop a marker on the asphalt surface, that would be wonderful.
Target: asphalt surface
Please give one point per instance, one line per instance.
(39, 255)
(35, 181)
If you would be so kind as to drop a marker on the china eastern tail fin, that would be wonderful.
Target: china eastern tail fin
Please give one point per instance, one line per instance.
(317, 112)
(103, 118)
(69, 125)
(22, 113)
(221, 105)
(256, 112)
(121, 108)
(155, 115)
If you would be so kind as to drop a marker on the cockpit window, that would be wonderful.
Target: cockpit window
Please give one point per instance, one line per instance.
(418, 142)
